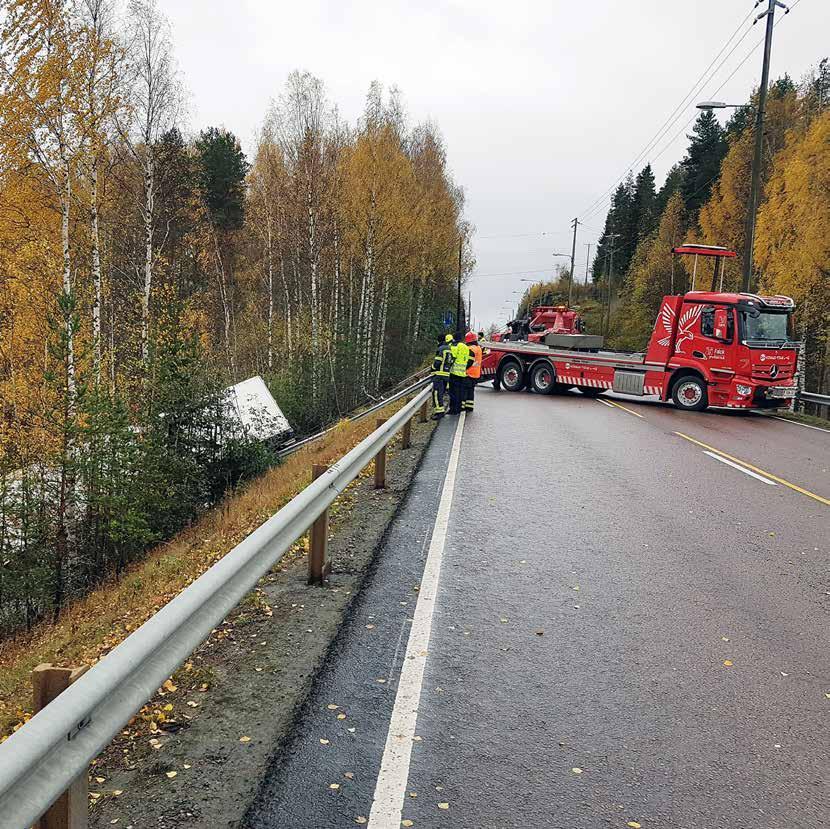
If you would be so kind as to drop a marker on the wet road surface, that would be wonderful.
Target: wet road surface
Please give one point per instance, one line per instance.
(627, 631)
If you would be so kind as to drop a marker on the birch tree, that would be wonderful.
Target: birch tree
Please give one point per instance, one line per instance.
(155, 100)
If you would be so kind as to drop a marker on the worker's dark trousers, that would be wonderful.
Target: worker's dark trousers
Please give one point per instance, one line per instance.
(469, 394)
(456, 393)
(439, 389)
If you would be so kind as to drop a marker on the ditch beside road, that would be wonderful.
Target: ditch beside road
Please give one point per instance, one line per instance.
(220, 720)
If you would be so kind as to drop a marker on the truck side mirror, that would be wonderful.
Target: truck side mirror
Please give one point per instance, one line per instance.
(721, 324)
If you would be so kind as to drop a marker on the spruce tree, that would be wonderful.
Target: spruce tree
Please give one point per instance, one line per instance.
(701, 166)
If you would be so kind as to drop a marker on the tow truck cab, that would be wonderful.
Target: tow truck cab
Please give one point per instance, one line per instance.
(738, 343)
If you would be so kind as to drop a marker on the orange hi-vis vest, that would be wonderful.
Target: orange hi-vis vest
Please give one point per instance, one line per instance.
(474, 370)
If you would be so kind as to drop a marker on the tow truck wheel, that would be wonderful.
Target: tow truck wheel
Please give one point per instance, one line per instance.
(511, 377)
(543, 379)
(689, 394)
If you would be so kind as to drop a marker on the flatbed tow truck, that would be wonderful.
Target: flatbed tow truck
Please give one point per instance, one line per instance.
(707, 348)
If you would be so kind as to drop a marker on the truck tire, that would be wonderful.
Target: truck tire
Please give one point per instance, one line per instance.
(511, 376)
(543, 378)
(689, 394)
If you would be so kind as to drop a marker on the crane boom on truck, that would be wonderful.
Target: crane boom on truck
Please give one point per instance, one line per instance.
(707, 348)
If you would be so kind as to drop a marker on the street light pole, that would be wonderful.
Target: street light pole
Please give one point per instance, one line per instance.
(755, 187)
(458, 325)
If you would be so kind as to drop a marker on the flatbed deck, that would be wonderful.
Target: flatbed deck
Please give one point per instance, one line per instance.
(622, 359)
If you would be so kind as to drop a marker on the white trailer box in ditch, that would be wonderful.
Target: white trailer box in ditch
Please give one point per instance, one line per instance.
(252, 408)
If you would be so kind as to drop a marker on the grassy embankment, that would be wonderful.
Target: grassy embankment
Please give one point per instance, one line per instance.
(95, 624)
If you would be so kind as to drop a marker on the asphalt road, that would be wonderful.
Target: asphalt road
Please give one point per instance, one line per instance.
(627, 631)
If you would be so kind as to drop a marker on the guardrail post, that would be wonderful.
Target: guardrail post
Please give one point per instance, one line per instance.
(380, 462)
(422, 413)
(319, 563)
(406, 435)
(70, 810)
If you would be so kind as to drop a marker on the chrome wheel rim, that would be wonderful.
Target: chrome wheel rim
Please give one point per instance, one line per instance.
(690, 394)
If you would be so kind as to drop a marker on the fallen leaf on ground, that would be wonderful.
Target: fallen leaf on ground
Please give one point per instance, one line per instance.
(349, 775)
(360, 819)
(341, 716)
(632, 824)
(117, 792)
(187, 766)
(727, 663)
(334, 786)
(169, 686)
(576, 770)
(323, 742)
(244, 739)
(332, 707)
(443, 805)
(99, 779)
(407, 823)
(171, 774)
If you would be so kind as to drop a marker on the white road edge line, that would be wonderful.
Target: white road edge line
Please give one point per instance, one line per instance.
(390, 788)
(604, 402)
(741, 468)
(796, 423)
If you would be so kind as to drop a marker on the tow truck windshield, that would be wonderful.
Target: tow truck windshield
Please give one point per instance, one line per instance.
(764, 326)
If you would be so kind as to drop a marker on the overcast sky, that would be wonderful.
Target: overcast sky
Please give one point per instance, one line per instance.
(543, 105)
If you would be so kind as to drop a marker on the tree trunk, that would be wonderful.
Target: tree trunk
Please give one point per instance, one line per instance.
(66, 201)
(96, 273)
(270, 255)
(149, 198)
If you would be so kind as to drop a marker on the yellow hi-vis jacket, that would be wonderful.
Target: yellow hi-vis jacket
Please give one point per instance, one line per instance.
(462, 358)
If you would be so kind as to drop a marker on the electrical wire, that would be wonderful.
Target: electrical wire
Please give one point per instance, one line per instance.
(673, 116)
(723, 84)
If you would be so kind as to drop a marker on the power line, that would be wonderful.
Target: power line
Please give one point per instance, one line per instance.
(667, 124)
(731, 75)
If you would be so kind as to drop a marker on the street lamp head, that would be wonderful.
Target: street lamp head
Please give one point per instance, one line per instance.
(710, 105)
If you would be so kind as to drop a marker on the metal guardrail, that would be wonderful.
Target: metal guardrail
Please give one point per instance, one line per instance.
(296, 446)
(41, 759)
(811, 397)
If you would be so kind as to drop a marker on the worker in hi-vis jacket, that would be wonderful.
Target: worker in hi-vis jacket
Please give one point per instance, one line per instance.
(473, 372)
(440, 376)
(462, 359)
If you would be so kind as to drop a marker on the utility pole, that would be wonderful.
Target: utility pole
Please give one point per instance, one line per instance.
(757, 158)
(458, 325)
(575, 225)
(587, 262)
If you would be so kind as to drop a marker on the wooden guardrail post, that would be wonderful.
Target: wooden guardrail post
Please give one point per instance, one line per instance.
(70, 810)
(319, 563)
(406, 434)
(380, 462)
(422, 412)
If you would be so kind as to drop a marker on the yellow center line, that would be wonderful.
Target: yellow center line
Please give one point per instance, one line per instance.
(757, 469)
(625, 409)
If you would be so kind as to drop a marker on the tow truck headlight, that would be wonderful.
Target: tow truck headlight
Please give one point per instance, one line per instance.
(743, 390)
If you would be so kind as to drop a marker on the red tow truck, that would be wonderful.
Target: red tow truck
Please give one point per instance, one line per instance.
(707, 348)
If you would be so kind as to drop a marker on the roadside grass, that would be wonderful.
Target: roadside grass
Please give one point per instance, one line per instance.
(92, 626)
(800, 417)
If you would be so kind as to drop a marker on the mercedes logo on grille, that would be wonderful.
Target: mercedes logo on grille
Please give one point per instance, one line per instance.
(773, 372)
